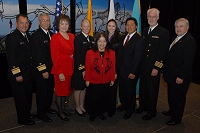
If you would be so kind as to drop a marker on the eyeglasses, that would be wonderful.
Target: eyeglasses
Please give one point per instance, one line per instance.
(152, 17)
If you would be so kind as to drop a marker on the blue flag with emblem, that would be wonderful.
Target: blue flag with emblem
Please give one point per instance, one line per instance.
(58, 11)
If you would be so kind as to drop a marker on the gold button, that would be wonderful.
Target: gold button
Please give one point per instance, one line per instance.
(147, 55)
(148, 50)
(149, 44)
(30, 57)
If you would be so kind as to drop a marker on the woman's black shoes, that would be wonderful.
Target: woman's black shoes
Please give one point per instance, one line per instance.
(63, 117)
(81, 115)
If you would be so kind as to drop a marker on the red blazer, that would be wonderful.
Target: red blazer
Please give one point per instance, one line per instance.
(100, 70)
(62, 51)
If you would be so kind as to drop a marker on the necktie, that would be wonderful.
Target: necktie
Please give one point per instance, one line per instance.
(150, 30)
(127, 39)
(25, 36)
(48, 35)
(88, 39)
(175, 40)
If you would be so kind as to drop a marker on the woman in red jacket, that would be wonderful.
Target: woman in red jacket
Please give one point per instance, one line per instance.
(99, 75)
(62, 50)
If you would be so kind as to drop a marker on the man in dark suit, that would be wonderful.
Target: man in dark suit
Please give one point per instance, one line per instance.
(20, 72)
(130, 57)
(178, 70)
(156, 40)
(40, 42)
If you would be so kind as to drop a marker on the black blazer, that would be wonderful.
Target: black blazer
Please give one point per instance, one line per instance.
(40, 45)
(19, 56)
(180, 59)
(81, 46)
(130, 56)
(156, 47)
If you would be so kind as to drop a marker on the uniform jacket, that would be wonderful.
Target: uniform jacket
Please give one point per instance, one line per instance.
(180, 59)
(19, 56)
(100, 70)
(62, 52)
(156, 47)
(130, 56)
(81, 46)
(40, 43)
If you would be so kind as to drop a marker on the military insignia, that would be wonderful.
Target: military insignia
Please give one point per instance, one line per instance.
(81, 67)
(155, 37)
(15, 70)
(41, 67)
(158, 64)
(93, 42)
(84, 42)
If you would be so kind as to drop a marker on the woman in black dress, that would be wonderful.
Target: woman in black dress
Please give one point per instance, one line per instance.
(113, 38)
(82, 44)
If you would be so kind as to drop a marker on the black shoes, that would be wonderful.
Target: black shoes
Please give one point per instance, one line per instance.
(172, 123)
(148, 116)
(32, 116)
(119, 108)
(67, 113)
(127, 115)
(63, 117)
(51, 111)
(45, 119)
(81, 115)
(167, 113)
(28, 123)
(101, 116)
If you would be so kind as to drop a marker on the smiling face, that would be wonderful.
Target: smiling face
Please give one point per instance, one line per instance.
(85, 27)
(44, 22)
(181, 28)
(22, 24)
(131, 26)
(152, 18)
(101, 43)
(111, 26)
(63, 26)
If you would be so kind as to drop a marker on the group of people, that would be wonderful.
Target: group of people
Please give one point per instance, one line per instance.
(94, 69)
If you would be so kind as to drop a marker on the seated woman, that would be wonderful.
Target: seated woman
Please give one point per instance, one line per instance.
(99, 75)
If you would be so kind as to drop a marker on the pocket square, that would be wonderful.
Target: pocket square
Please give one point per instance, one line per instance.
(155, 37)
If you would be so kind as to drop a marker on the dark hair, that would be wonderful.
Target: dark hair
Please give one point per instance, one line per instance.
(132, 18)
(116, 33)
(95, 46)
(21, 15)
(62, 17)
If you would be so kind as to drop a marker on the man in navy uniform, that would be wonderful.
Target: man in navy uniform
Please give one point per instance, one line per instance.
(40, 43)
(20, 72)
(156, 40)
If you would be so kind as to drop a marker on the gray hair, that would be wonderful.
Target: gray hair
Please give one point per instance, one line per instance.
(182, 19)
(42, 14)
(154, 10)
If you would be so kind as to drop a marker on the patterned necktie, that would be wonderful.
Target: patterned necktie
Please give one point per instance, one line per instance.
(127, 39)
(150, 30)
(174, 42)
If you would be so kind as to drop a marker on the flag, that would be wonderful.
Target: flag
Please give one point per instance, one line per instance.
(136, 14)
(89, 16)
(58, 11)
(111, 14)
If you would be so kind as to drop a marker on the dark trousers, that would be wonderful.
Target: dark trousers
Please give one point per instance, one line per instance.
(127, 92)
(44, 95)
(22, 93)
(96, 99)
(176, 100)
(148, 93)
(112, 94)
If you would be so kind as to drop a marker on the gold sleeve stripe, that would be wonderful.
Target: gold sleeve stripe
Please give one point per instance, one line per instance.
(81, 67)
(41, 67)
(158, 64)
(15, 70)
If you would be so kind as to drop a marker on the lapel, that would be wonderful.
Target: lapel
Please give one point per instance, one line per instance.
(179, 42)
(130, 42)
